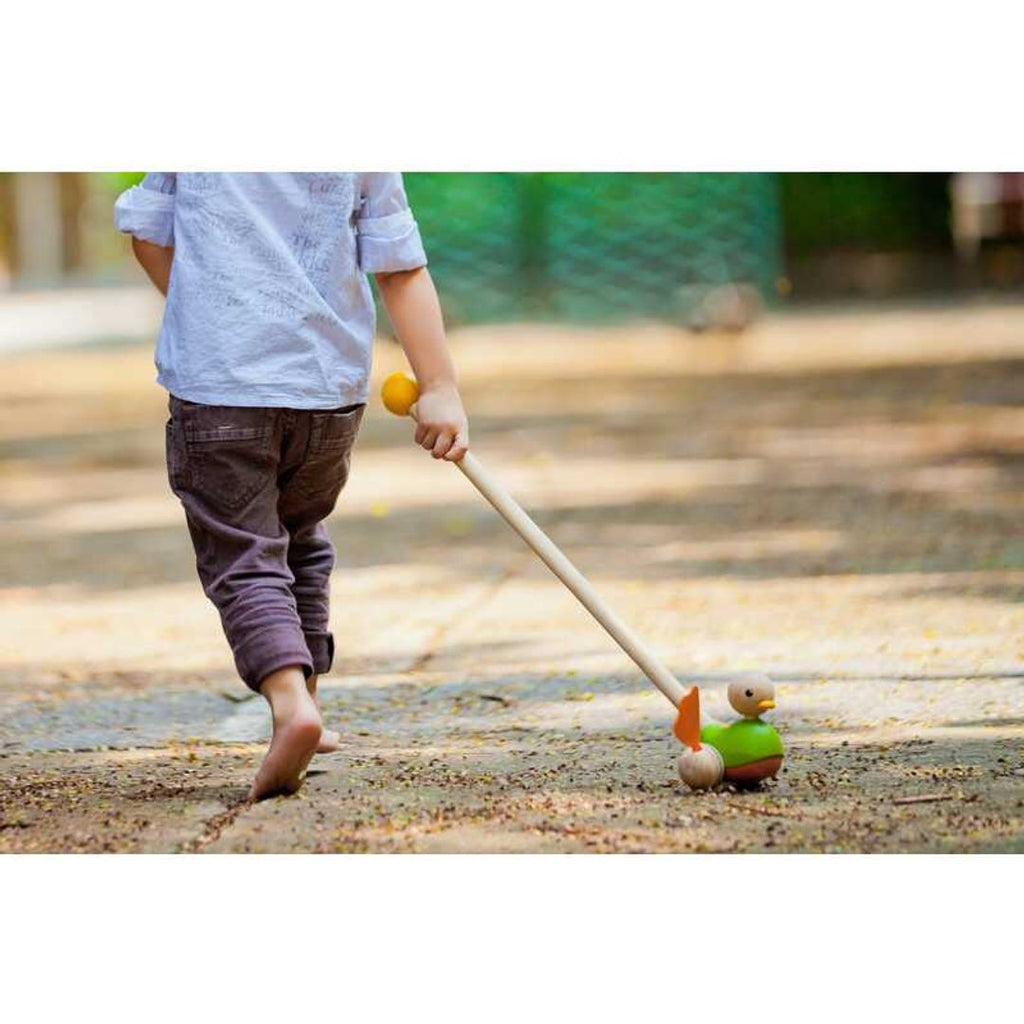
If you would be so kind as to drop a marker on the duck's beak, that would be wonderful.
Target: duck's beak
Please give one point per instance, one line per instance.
(765, 705)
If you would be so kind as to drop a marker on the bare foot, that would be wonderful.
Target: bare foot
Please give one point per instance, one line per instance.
(330, 740)
(297, 732)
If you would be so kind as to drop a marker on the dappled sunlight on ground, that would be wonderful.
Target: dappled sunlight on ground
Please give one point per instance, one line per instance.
(834, 499)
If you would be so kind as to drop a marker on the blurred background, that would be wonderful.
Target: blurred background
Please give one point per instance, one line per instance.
(777, 418)
(697, 250)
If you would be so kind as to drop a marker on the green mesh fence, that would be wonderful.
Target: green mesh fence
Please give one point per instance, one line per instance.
(593, 247)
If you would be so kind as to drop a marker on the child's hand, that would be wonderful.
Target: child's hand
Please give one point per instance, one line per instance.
(442, 427)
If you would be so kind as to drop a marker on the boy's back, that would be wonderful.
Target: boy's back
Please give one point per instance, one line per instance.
(268, 302)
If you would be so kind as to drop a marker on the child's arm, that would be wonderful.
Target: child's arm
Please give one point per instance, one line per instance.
(146, 212)
(412, 304)
(156, 261)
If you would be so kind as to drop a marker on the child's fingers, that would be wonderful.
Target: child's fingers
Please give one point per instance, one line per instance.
(459, 448)
(429, 438)
(421, 432)
(443, 443)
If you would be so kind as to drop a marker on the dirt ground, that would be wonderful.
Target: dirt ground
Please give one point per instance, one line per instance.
(836, 499)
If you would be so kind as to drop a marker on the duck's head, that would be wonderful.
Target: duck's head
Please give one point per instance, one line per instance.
(751, 698)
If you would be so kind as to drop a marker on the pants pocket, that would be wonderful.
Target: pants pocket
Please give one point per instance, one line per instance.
(324, 471)
(223, 454)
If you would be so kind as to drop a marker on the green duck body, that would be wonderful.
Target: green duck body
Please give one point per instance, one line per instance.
(751, 749)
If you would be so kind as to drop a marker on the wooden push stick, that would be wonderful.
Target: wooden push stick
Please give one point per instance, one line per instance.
(400, 394)
(553, 557)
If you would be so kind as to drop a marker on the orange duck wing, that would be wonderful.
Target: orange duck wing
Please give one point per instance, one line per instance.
(687, 727)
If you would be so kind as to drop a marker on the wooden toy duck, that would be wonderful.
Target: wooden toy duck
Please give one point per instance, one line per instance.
(751, 749)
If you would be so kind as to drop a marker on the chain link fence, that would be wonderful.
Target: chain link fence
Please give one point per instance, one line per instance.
(589, 247)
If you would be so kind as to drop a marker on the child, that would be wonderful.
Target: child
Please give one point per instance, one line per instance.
(265, 349)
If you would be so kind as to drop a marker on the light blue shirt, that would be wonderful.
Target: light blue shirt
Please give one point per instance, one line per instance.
(269, 303)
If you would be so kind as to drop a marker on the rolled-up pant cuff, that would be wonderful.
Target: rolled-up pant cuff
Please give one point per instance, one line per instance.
(321, 650)
(266, 653)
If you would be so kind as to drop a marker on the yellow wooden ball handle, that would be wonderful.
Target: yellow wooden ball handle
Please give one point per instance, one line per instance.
(399, 393)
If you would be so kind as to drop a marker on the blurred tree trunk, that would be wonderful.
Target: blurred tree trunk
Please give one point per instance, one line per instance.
(38, 251)
(6, 227)
(73, 192)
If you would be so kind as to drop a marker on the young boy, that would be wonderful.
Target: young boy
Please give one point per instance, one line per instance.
(265, 349)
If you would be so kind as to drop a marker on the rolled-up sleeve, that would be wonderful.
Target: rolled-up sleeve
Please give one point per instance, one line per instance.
(388, 237)
(147, 210)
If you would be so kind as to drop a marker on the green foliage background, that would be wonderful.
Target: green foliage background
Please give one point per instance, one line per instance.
(870, 212)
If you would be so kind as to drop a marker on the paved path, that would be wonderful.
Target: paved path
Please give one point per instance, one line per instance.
(835, 499)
